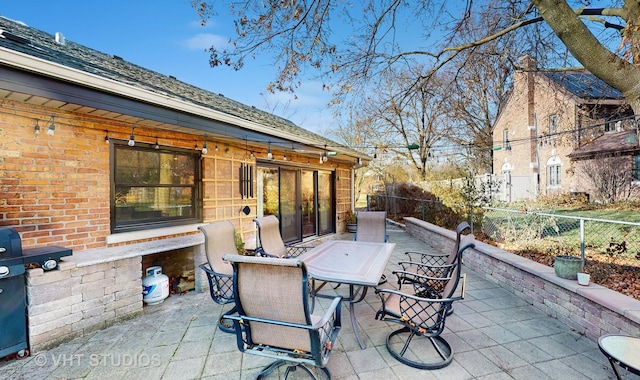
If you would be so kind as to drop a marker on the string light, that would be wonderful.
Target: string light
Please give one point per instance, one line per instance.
(52, 127)
(37, 128)
(106, 136)
(132, 140)
(325, 158)
(204, 146)
(269, 154)
(156, 146)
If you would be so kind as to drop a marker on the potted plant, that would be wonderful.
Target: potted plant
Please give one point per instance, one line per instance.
(350, 219)
(240, 245)
(566, 265)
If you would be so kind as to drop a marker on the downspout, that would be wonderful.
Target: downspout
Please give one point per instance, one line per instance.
(353, 189)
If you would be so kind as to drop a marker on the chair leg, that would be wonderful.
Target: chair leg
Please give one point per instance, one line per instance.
(442, 348)
(290, 368)
(227, 326)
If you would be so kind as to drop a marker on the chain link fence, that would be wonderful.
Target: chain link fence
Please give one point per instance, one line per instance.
(519, 230)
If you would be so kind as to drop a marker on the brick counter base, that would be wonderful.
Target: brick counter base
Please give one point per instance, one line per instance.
(94, 289)
(593, 310)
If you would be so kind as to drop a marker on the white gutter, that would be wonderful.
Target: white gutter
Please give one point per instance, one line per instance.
(41, 66)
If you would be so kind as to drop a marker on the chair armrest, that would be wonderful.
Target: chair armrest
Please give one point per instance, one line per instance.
(335, 307)
(220, 285)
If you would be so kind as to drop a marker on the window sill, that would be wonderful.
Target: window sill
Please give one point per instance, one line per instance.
(126, 237)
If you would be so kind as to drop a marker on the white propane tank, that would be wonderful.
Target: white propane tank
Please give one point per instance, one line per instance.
(155, 286)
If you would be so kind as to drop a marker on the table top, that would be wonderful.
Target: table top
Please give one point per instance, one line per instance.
(623, 349)
(348, 262)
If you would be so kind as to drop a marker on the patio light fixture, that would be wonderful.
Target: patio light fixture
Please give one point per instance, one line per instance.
(324, 157)
(132, 140)
(269, 154)
(52, 127)
(36, 128)
(204, 146)
(106, 136)
(156, 146)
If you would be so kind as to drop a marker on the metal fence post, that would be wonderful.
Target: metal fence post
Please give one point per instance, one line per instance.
(582, 243)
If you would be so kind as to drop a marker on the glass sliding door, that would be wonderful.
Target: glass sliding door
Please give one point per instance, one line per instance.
(303, 200)
(308, 203)
(325, 203)
(290, 216)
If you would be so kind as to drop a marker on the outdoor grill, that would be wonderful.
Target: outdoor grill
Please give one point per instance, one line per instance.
(13, 306)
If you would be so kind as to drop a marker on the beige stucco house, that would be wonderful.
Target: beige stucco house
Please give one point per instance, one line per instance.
(547, 116)
(122, 164)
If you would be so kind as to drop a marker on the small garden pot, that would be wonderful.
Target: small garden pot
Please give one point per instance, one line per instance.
(583, 279)
(567, 267)
(352, 227)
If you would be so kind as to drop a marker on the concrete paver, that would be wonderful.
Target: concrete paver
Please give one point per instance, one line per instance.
(493, 333)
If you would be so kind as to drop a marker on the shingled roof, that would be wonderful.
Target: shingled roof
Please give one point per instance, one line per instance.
(622, 142)
(28, 40)
(584, 85)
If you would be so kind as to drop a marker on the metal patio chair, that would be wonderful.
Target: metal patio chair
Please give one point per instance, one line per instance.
(274, 317)
(423, 316)
(271, 243)
(219, 239)
(371, 226)
(430, 264)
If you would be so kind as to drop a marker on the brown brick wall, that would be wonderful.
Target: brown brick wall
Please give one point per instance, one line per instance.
(55, 189)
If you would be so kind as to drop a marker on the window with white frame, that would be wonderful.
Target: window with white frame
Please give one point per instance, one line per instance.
(553, 125)
(505, 140)
(554, 172)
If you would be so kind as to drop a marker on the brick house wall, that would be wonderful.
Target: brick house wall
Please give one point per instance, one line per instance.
(55, 190)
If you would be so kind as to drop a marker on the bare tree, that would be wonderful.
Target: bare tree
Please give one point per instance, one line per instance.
(398, 36)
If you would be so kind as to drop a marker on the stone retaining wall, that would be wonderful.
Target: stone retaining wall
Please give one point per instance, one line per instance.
(590, 310)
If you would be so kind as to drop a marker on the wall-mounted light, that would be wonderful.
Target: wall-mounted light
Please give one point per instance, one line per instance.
(204, 145)
(106, 136)
(269, 154)
(132, 139)
(36, 128)
(52, 127)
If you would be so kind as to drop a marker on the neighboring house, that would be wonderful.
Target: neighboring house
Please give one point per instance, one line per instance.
(547, 116)
(107, 158)
(608, 168)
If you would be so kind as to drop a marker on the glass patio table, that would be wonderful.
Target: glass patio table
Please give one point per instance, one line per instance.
(622, 350)
(357, 264)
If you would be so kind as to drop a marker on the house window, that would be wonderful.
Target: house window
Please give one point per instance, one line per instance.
(153, 188)
(553, 125)
(505, 140)
(554, 172)
(636, 167)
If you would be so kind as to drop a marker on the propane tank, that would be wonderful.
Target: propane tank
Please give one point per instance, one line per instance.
(155, 286)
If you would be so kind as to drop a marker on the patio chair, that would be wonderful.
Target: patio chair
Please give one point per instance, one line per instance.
(274, 317)
(371, 226)
(426, 263)
(271, 243)
(422, 316)
(219, 239)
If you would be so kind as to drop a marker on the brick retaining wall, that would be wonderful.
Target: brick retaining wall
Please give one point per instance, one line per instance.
(593, 310)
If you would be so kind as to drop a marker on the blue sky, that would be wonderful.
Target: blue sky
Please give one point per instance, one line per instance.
(165, 36)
